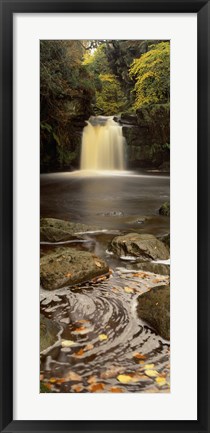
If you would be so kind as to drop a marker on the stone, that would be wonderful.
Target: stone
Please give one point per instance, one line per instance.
(48, 332)
(165, 209)
(156, 268)
(154, 308)
(57, 230)
(145, 247)
(67, 267)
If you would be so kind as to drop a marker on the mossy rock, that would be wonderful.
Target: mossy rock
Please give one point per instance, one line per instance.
(145, 247)
(67, 267)
(48, 332)
(154, 308)
(165, 209)
(57, 230)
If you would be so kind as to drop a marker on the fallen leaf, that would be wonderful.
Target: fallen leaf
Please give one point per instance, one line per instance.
(102, 337)
(92, 379)
(68, 275)
(88, 347)
(97, 263)
(151, 373)
(67, 343)
(77, 388)
(124, 378)
(161, 381)
(139, 356)
(79, 353)
(129, 290)
(53, 380)
(116, 389)
(96, 387)
(111, 372)
(149, 366)
(73, 376)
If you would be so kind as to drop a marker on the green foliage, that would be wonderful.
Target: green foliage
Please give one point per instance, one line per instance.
(151, 72)
(66, 92)
(110, 100)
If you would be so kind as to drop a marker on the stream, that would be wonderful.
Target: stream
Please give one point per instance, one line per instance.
(102, 344)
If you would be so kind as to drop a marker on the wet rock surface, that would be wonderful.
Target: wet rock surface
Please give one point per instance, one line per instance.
(56, 230)
(48, 332)
(156, 268)
(68, 266)
(165, 209)
(154, 308)
(144, 246)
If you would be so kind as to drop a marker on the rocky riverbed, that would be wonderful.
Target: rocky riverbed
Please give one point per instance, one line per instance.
(104, 299)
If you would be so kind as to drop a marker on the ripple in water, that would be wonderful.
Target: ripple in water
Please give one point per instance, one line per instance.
(100, 336)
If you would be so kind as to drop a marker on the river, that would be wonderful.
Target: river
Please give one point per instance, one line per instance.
(109, 342)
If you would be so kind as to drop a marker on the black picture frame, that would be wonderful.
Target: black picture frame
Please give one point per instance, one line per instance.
(8, 8)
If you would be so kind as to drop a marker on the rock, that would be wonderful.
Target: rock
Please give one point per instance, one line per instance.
(165, 209)
(148, 136)
(128, 118)
(144, 246)
(165, 239)
(154, 308)
(56, 230)
(156, 268)
(48, 332)
(67, 266)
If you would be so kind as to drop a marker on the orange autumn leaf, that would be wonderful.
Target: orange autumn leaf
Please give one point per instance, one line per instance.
(116, 389)
(96, 387)
(80, 329)
(139, 356)
(92, 379)
(77, 388)
(97, 263)
(88, 347)
(68, 275)
(79, 353)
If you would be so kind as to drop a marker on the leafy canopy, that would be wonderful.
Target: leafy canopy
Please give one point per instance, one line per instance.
(151, 73)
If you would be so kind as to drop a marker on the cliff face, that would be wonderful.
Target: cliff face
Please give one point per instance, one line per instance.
(147, 135)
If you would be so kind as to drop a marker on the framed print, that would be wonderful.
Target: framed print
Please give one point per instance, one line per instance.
(104, 223)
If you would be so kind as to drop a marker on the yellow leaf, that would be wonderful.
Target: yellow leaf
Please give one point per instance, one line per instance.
(53, 380)
(102, 337)
(149, 366)
(98, 264)
(129, 290)
(67, 343)
(161, 381)
(68, 275)
(151, 373)
(124, 378)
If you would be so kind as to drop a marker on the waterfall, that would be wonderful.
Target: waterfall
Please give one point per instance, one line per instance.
(102, 145)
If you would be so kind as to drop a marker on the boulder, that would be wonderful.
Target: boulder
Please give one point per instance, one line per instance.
(165, 239)
(154, 308)
(56, 230)
(165, 209)
(67, 267)
(48, 332)
(145, 247)
(155, 268)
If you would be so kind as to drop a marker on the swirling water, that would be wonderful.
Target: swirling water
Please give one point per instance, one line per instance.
(102, 345)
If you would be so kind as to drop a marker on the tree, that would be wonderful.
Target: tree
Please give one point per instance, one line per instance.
(151, 73)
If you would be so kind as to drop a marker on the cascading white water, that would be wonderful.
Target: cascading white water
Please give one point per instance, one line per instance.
(102, 145)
